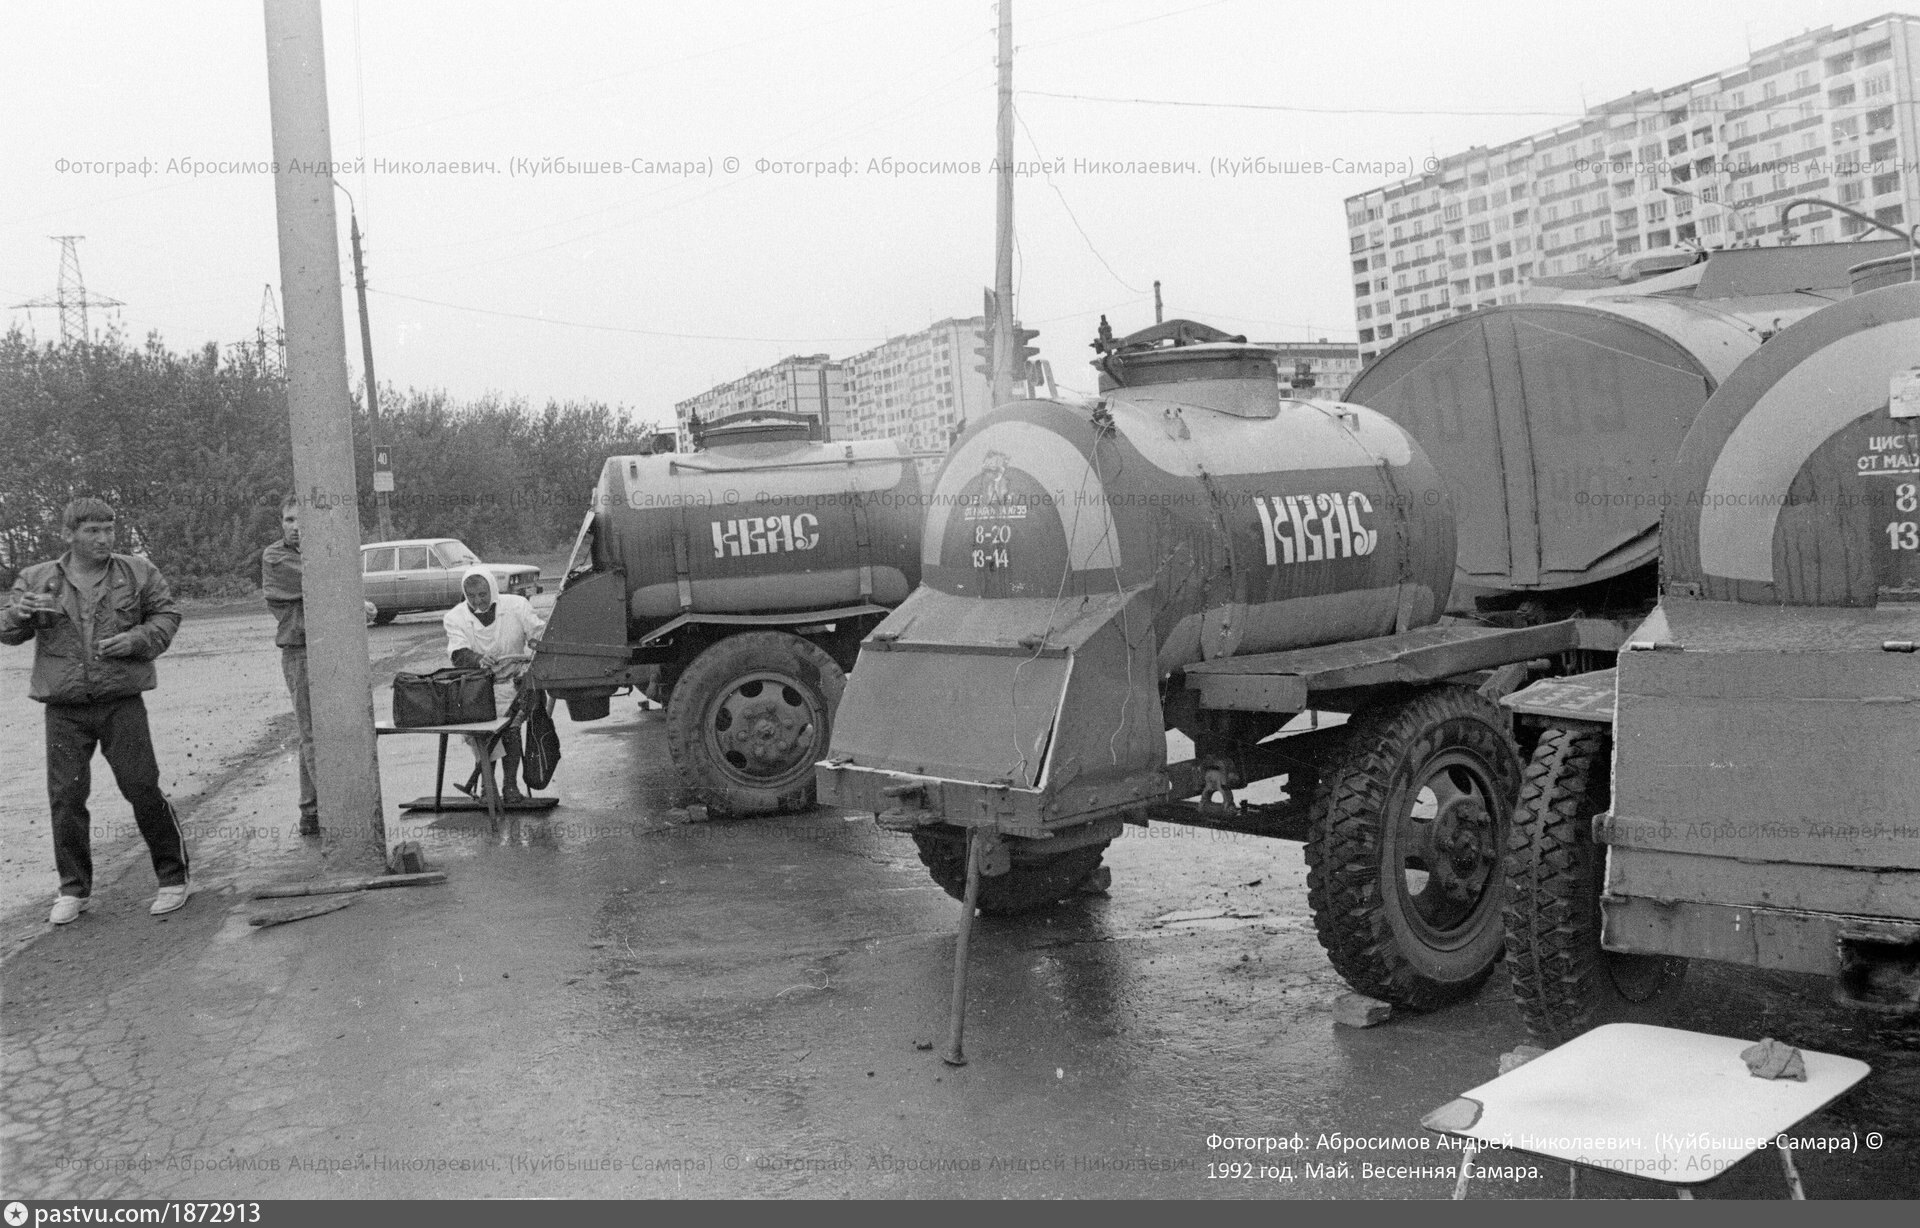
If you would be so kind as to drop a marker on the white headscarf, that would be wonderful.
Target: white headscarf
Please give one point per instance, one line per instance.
(514, 622)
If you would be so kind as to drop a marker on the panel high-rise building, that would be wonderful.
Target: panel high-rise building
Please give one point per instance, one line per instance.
(1707, 163)
(814, 385)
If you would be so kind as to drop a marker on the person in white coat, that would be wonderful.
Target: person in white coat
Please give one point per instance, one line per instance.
(498, 632)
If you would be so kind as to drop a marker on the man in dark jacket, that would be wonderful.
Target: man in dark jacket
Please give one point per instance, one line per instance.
(280, 584)
(98, 619)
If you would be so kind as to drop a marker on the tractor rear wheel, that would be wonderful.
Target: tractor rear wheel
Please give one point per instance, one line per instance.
(1564, 982)
(1036, 880)
(748, 718)
(1404, 853)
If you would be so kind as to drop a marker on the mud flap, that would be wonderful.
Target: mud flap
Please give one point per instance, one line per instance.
(1059, 702)
(585, 643)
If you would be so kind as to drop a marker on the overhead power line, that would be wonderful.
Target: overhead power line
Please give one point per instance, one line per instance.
(618, 328)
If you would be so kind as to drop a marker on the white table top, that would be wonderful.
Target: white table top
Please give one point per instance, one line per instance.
(385, 727)
(1671, 1106)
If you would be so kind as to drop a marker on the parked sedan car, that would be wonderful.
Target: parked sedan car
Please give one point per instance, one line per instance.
(423, 573)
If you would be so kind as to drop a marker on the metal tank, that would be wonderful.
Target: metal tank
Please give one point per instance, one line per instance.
(1554, 424)
(757, 525)
(733, 584)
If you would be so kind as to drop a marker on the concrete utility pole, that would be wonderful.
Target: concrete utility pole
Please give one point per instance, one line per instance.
(1002, 323)
(382, 500)
(347, 765)
(1156, 302)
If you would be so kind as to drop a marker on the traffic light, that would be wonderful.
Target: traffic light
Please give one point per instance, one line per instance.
(985, 351)
(990, 312)
(1024, 354)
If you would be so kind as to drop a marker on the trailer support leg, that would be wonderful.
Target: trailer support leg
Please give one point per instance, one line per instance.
(957, 1023)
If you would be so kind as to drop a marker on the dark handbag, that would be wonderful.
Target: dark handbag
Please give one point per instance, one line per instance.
(451, 696)
(542, 751)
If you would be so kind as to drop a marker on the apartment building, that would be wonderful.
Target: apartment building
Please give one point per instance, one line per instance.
(813, 385)
(1707, 163)
(1331, 364)
(916, 388)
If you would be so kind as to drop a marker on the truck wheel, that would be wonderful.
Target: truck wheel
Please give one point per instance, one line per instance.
(1035, 880)
(1405, 847)
(749, 717)
(1563, 981)
(383, 617)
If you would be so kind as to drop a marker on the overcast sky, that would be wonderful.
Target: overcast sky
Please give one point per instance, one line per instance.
(583, 274)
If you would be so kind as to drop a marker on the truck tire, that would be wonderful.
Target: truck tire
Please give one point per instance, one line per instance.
(1404, 852)
(748, 718)
(1563, 981)
(383, 617)
(1035, 881)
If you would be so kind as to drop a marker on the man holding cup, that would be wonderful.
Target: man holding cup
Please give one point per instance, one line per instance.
(98, 620)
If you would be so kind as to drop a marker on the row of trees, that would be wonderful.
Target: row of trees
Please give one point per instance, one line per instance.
(193, 452)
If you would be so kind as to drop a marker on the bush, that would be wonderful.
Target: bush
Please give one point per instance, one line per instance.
(193, 451)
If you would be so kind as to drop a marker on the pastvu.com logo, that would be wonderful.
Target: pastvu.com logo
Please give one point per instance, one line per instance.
(16, 1214)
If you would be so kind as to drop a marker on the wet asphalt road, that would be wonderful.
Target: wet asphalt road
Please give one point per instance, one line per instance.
(614, 1001)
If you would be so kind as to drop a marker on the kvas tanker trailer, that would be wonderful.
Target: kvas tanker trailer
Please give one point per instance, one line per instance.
(1742, 787)
(733, 583)
(1197, 552)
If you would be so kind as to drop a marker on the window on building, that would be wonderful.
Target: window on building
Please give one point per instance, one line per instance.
(1876, 53)
(1702, 136)
(1740, 130)
(1882, 151)
(1880, 83)
(1483, 255)
(1451, 213)
(1380, 260)
(1677, 145)
(1506, 277)
(1803, 78)
(1483, 282)
(1659, 238)
(1360, 265)
(1710, 224)
(1879, 120)
(1845, 128)
(1462, 287)
(1891, 215)
(1851, 192)
(1737, 99)
(1523, 244)
(1884, 184)
(1478, 231)
(1518, 190)
(1837, 64)
(1503, 252)
(1626, 219)
(1656, 211)
(1519, 217)
(1457, 262)
(1366, 335)
(1386, 330)
(1770, 89)
(1627, 246)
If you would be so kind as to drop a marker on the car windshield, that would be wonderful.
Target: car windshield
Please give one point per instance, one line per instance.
(458, 555)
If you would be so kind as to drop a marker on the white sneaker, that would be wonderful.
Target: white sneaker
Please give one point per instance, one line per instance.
(67, 907)
(170, 898)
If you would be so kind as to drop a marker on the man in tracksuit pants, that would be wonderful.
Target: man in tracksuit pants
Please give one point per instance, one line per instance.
(98, 620)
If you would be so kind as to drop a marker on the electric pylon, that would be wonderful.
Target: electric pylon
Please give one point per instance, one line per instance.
(70, 297)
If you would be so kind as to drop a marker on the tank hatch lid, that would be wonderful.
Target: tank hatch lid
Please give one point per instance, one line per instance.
(1186, 352)
(754, 426)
